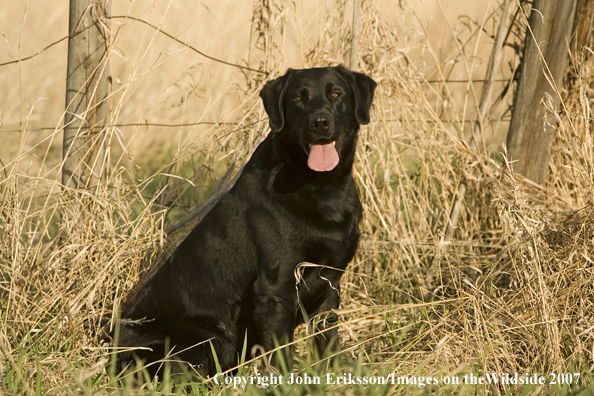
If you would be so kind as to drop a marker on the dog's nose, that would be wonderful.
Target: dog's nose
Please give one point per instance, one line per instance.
(319, 123)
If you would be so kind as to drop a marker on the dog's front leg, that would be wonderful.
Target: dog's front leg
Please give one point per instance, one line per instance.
(275, 320)
(326, 321)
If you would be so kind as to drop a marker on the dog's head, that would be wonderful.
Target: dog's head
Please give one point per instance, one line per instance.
(319, 109)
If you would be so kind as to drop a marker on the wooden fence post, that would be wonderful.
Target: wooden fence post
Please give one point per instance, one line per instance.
(531, 135)
(356, 28)
(86, 93)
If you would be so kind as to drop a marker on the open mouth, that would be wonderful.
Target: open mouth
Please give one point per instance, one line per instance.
(323, 156)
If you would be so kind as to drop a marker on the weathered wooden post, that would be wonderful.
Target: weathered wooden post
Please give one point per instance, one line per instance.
(86, 93)
(531, 135)
(356, 28)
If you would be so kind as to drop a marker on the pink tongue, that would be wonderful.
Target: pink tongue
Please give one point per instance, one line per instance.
(322, 157)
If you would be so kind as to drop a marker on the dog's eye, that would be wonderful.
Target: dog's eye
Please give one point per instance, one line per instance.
(335, 94)
(298, 98)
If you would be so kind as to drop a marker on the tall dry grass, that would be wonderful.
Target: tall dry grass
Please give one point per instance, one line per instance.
(463, 266)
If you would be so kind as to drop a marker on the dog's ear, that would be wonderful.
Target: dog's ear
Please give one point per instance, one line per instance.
(273, 95)
(363, 88)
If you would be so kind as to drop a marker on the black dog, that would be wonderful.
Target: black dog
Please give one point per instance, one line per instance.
(295, 202)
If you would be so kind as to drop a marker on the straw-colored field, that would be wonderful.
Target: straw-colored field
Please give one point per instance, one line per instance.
(463, 268)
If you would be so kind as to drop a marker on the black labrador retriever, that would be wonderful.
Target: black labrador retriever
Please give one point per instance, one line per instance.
(236, 277)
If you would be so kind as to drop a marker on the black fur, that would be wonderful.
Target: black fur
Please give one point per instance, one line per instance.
(236, 271)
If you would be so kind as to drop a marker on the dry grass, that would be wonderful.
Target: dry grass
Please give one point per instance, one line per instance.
(463, 266)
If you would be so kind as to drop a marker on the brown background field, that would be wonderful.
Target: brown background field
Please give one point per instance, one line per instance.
(167, 83)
